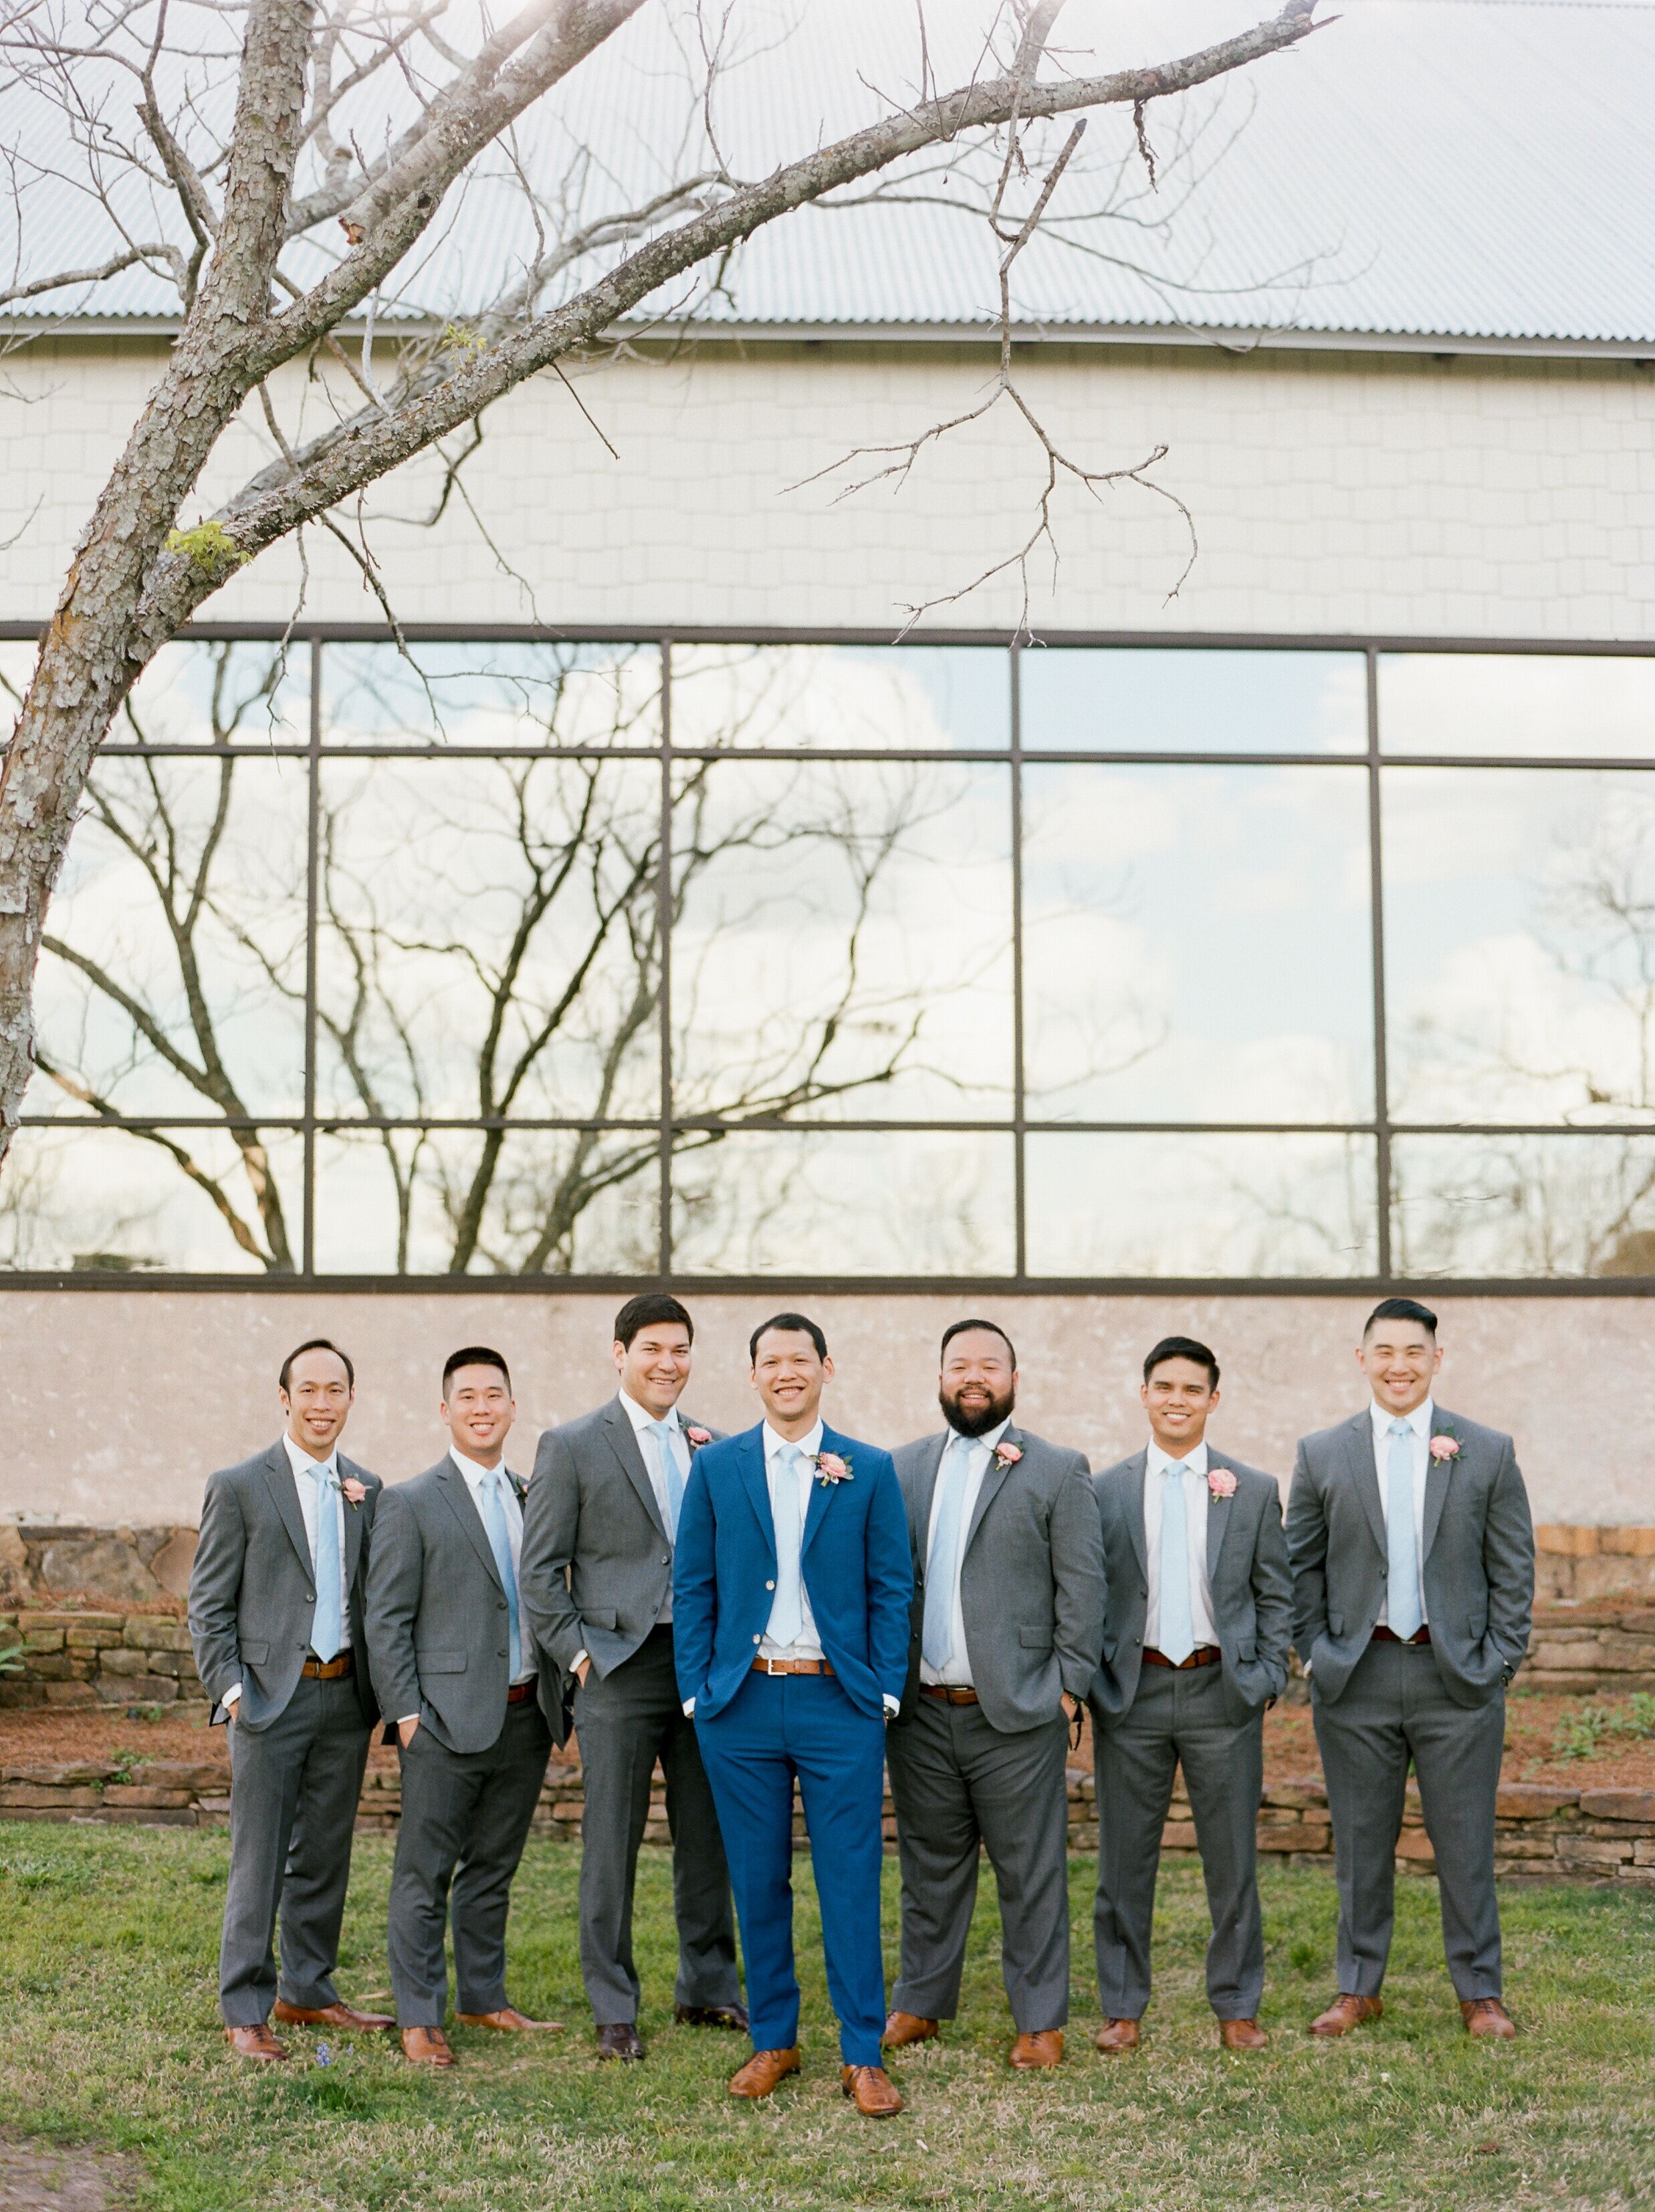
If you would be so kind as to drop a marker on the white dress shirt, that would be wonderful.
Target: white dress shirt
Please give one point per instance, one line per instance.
(957, 1672)
(1196, 1497)
(649, 1448)
(1420, 1422)
(315, 1479)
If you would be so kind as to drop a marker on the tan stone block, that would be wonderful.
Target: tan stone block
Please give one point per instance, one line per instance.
(1415, 1846)
(43, 1640)
(34, 1793)
(120, 1661)
(1510, 1846)
(29, 1621)
(90, 1639)
(1643, 1851)
(1566, 1541)
(1296, 1794)
(144, 1632)
(56, 1772)
(1303, 1836)
(1592, 1852)
(70, 1694)
(50, 1667)
(1643, 1877)
(1177, 1836)
(171, 1565)
(1532, 1801)
(136, 1689)
(136, 1793)
(1618, 1805)
(1630, 1543)
(183, 1774)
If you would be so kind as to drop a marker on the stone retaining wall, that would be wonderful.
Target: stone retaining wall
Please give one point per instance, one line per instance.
(73, 1657)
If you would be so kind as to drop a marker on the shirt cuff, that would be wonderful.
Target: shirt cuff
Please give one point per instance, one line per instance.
(403, 1719)
(689, 1709)
(230, 1697)
(575, 1663)
(893, 1704)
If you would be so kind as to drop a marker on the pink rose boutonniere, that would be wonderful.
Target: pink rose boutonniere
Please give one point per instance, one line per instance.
(354, 1491)
(697, 1437)
(830, 1467)
(1221, 1483)
(1008, 1455)
(1444, 1448)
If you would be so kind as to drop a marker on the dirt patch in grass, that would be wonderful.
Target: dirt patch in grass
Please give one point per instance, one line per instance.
(37, 2178)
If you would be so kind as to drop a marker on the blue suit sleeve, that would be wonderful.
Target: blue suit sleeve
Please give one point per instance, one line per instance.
(890, 1581)
(694, 1590)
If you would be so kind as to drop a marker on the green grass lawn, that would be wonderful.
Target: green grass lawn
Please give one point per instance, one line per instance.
(108, 2034)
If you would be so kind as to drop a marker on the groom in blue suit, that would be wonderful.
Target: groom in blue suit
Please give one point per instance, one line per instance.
(791, 1592)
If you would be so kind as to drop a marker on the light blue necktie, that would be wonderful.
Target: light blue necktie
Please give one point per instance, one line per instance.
(329, 1569)
(671, 1480)
(1177, 1620)
(1403, 1605)
(787, 1614)
(499, 1543)
(937, 1633)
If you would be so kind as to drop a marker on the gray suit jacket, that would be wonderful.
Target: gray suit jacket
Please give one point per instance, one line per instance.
(252, 1588)
(439, 1635)
(597, 1559)
(1477, 1568)
(1031, 1582)
(1246, 1570)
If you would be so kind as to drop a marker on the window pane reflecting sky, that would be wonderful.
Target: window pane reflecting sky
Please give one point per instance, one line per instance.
(1150, 699)
(916, 698)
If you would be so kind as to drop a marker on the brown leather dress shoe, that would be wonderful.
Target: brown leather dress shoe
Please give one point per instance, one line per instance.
(730, 2015)
(871, 2090)
(511, 2021)
(333, 2015)
(1115, 2036)
(1043, 2048)
(762, 2072)
(906, 2028)
(1487, 2020)
(427, 2046)
(1241, 2035)
(254, 2042)
(1345, 2013)
(620, 2039)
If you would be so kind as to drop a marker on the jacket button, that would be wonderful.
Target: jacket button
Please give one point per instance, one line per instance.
(499, 1605)
(500, 1654)
(1137, 1639)
(758, 1639)
(666, 1559)
(770, 1586)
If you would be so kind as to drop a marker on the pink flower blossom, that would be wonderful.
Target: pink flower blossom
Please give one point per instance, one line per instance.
(356, 1491)
(1221, 1482)
(830, 1467)
(698, 1437)
(1444, 1447)
(1008, 1455)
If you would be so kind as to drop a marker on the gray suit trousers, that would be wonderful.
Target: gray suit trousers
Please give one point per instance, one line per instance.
(624, 1723)
(469, 1811)
(956, 1783)
(1394, 1707)
(293, 1790)
(1177, 1717)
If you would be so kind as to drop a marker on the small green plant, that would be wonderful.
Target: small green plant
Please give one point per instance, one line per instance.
(126, 1762)
(146, 1712)
(1595, 1729)
(11, 1659)
(210, 547)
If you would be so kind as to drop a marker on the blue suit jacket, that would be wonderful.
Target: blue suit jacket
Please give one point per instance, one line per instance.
(855, 1563)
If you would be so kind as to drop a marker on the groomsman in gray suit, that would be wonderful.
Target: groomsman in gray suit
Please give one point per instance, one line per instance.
(602, 1526)
(456, 1670)
(1200, 1621)
(275, 1618)
(1413, 1571)
(1008, 1613)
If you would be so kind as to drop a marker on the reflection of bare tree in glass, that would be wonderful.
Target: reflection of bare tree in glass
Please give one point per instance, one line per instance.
(136, 802)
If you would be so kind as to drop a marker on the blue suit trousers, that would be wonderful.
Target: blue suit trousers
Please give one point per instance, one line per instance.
(775, 1727)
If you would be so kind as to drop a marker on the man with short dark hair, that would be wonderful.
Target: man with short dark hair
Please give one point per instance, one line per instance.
(791, 1594)
(457, 1674)
(1413, 1571)
(1008, 1626)
(277, 1621)
(599, 1535)
(1194, 1650)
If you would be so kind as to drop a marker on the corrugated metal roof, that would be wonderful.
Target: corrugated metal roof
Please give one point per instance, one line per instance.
(1480, 169)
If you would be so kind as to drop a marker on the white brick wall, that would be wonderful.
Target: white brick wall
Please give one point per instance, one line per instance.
(1356, 493)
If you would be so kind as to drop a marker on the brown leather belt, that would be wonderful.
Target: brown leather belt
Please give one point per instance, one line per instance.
(328, 1670)
(792, 1666)
(949, 1693)
(519, 1693)
(1390, 1636)
(1205, 1655)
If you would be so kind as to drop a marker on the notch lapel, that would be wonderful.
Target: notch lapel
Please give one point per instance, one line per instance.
(1438, 1474)
(353, 1527)
(994, 1475)
(920, 1529)
(284, 1495)
(1364, 1476)
(623, 1443)
(1221, 1512)
(821, 1493)
(751, 1449)
(1139, 1469)
(457, 1498)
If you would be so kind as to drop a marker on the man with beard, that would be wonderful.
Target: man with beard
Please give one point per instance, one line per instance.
(1008, 1629)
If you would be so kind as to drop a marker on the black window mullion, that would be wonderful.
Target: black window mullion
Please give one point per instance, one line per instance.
(1381, 1073)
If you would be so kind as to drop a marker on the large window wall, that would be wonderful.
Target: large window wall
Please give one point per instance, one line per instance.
(1086, 963)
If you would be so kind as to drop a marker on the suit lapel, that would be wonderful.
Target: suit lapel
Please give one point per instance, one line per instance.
(623, 1443)
(284, 1495)
(821, 1493)
(458, 1496)
(750, 1449)
(993, 1476)
(927, 1497)
(1438, 1474)
(353, 1527)
(1364, 1476)
(1220, 1511)
(1138, 1468)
